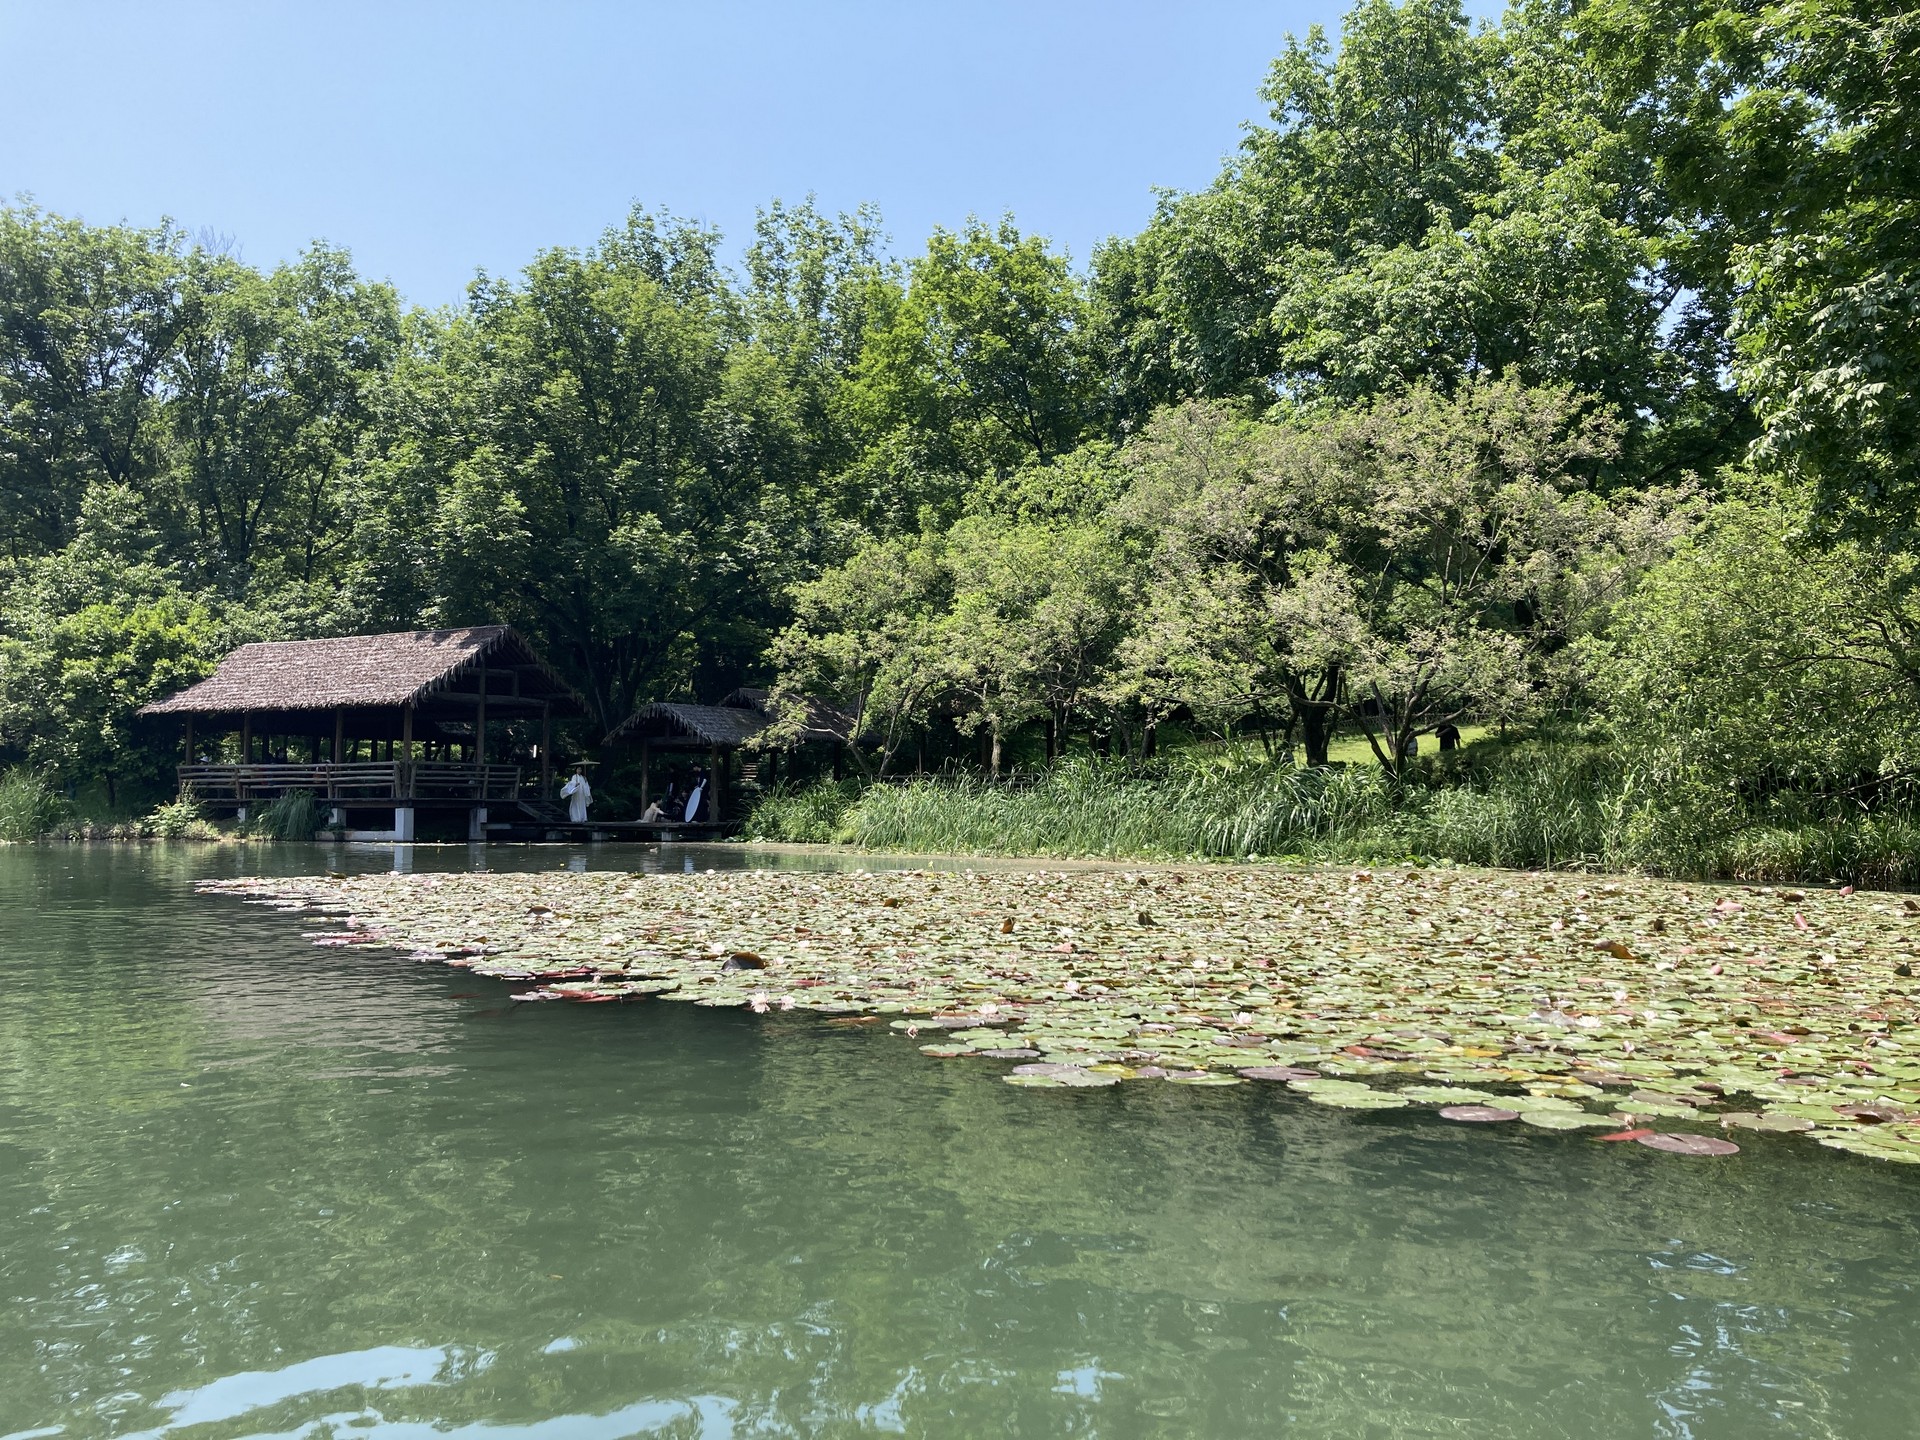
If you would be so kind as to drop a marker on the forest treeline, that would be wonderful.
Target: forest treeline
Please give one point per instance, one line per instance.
(1555, 368)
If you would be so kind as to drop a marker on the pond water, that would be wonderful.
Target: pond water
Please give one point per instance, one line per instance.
(250, 1187)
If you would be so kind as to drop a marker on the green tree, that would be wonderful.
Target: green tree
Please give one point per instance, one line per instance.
(88, 318)
(1754, 674)
(1036, 613)
(606, 433)
(979, 366)
(268, 401)
(867, 638)
(1413, 560)
(1430, 205)
(1788, 129)
(90, 634)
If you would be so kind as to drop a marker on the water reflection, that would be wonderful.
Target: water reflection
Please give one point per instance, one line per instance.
(250, 1187)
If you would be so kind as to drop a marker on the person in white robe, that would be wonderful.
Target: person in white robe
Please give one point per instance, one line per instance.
(579, 795)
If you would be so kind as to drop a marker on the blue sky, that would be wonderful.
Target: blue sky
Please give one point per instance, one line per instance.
(432, 139)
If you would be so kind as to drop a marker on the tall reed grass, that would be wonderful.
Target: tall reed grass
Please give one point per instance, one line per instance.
(1552, 803)
(292, 816)
(30, 806)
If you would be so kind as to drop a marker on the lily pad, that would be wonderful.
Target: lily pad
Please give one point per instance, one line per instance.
(1450, 1095)
(1640, 1103)
(1564, 1120)
(1543, 1104)
(1278, 1072)
(1773, 1124)
(1675, 1143)
(1205, 1077)
(1063, 1078)
(1478, 1114)
(1266, 970)
(1361, 1100)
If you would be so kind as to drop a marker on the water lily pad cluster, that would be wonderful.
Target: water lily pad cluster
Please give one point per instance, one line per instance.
(1563, 1002)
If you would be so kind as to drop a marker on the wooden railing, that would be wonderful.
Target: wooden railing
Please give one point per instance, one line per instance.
(363, 781)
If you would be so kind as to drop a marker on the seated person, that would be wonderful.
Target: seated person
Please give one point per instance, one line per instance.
(653, 814)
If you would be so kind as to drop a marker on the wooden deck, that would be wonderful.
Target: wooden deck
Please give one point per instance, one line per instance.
(626, 830)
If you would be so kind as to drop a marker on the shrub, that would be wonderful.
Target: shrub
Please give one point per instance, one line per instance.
(179, 820)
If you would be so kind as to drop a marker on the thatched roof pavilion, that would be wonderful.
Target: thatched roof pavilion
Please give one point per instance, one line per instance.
(428, 698)
(667, 725)
(720, 730)
(361, 672)
(738, 718)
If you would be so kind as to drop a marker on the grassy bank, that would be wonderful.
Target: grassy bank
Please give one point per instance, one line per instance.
(1526, 803)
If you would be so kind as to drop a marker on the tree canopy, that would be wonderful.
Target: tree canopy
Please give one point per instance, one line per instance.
(1397, 422)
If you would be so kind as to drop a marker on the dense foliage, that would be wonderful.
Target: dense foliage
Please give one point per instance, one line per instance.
(1555, 370)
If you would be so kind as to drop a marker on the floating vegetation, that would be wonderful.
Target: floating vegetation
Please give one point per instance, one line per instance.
(1563, 1003)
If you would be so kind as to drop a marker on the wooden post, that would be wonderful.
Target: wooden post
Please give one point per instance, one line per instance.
(246, 737)
(716, 782)
(403, 778)
(646, 768)
(189, 756)
(480, 720)
(546, 751)
(339, 735)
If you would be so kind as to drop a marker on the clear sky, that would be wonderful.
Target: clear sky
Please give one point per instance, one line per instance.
(432, 139)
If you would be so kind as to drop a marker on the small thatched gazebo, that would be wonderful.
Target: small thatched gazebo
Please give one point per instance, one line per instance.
(722, 731)
(400, 721)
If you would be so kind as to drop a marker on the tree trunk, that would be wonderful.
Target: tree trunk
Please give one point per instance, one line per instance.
(1316, 730)
(993, 756)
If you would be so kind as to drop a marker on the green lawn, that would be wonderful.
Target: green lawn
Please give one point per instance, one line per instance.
(1355, 750)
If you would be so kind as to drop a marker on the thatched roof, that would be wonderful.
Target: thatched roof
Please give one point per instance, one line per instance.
(726, 726)
(823, 721)
(367, 672)
(731, 723)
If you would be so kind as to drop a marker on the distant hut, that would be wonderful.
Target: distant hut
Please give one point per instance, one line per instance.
(722, 733)
(401, 722)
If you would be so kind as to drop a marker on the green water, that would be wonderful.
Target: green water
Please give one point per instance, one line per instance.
(252, 1187)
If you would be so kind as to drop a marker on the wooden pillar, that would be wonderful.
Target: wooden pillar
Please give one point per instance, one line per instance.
(403, 778)
(646, 768)
(246, 737)
(339, 735)
(189, 740)
(716, 782)
(480, 720)
(546, 751)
